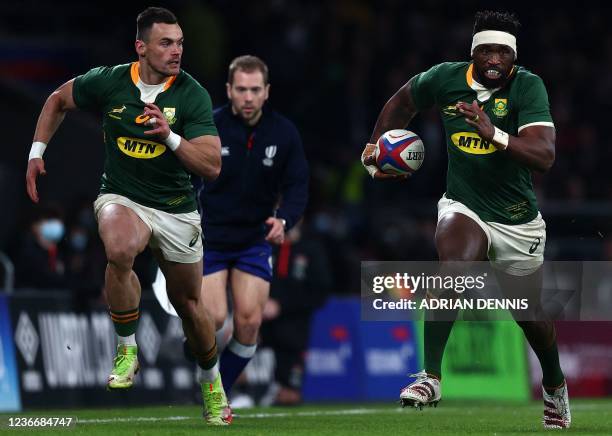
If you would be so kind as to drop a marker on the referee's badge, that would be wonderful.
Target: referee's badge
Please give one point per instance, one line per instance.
(170, 115)
(270, 153)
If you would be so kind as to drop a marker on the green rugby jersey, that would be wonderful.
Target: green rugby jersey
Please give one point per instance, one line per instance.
(139, 166)
(494, 186)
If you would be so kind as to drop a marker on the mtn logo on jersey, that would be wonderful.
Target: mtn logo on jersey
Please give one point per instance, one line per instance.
(139, 148)
(470, 142)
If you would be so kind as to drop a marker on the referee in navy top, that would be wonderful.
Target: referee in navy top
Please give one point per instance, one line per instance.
(260, 194)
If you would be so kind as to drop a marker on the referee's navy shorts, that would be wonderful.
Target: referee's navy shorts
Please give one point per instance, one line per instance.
(255, 260)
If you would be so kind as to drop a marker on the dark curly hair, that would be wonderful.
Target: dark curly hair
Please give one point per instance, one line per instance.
(494, 20)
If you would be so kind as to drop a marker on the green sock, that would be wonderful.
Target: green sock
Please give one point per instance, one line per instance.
(435, 337)
(208, 359)
(125, 322)
(541, 336)
(552, 375)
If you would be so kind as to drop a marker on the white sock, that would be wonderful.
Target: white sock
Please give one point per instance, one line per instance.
(127, 340)
(241, 350)
(208, 375)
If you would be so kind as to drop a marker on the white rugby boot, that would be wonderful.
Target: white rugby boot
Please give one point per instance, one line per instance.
(556, 408)
(425, 390)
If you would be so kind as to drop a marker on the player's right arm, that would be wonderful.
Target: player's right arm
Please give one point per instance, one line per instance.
(51, 116)
(395, 114)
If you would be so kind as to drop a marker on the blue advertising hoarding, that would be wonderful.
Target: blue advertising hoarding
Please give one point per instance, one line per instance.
(334, 367)
(9, 388)
(349, 359)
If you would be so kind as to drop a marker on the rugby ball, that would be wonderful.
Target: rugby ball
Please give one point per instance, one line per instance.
(399, 152)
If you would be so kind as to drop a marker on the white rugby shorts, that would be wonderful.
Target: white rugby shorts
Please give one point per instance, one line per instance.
(178, 236)
(515, 249)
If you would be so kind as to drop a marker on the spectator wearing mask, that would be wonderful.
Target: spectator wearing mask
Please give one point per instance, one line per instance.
(40, 262)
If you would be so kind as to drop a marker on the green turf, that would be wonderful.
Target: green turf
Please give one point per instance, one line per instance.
(590, 417)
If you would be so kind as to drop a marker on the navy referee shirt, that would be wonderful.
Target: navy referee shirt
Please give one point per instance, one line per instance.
(264, 173)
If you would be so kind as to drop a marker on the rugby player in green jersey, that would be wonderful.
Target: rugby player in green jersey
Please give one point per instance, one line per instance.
(158, 126)
(498, 129)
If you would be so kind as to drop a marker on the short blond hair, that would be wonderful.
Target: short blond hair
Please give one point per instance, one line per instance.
(248, 64)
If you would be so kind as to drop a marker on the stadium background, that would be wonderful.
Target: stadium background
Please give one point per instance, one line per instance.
(333, 66)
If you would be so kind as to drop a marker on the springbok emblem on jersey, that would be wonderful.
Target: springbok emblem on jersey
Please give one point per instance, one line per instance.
(500, 109)
(170, 115)
(270, 153)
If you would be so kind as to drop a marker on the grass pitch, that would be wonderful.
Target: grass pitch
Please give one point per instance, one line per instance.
(589, 417)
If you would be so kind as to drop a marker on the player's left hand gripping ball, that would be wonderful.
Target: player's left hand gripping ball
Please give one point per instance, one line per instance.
(368, 158)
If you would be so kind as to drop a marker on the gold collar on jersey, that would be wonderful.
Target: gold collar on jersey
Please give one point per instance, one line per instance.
(134, 73)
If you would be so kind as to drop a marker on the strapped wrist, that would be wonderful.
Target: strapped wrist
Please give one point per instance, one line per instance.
(173, 141)
(371, 169)
(502, 138)
(37, 150)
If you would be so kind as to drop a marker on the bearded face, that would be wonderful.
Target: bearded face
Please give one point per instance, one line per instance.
(493, 64)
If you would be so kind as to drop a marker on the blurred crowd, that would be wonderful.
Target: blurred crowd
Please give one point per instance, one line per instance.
(332, 67)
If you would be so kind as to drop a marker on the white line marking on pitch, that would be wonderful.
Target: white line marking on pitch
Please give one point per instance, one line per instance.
(296, 414)
(241, 416)
(319, 413)
(136, 419)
